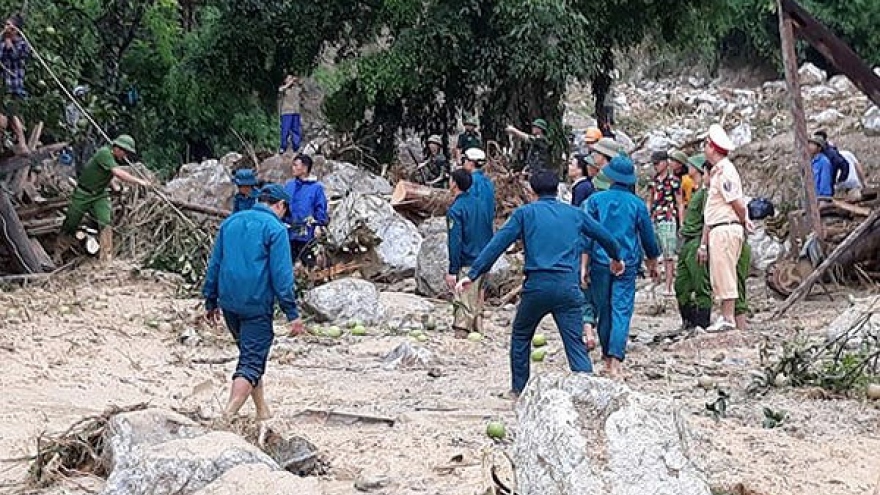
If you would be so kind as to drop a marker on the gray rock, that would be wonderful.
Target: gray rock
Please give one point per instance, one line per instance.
(810, 75)
(260, 479)
(433, 225)
(580, 435)
(131, 431)
(842, 84)
(741, 135)
(774, 86)
(827, 117)
(341, 179)
(860, 321)
(276, 168)
(394, 239)
(345, 299)
(871, 121)
(208, 183)
(403, 310)
(229, 160)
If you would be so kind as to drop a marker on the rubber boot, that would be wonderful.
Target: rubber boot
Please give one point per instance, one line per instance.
(702, 317)
(687, 316)
(105, 239)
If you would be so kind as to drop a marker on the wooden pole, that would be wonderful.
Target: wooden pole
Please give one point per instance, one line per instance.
(789, 57)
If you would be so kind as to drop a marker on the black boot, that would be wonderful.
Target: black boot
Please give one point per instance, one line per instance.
(687, 316)
(702, 317)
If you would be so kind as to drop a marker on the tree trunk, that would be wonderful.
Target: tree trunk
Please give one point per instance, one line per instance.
(14, 235)
(426, 200)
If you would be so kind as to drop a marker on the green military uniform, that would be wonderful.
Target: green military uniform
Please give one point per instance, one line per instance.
(90, 195)
(692, 287)
(538, 154)
(468, 140)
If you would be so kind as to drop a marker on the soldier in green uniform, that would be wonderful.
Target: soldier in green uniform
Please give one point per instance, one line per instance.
(90, 195)
(468, 139)
(538, 151)
(692, 287)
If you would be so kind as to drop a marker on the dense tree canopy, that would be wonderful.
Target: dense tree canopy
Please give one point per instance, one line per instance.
(201, 68)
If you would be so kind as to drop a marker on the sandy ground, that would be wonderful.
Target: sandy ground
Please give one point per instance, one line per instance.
(102, 337)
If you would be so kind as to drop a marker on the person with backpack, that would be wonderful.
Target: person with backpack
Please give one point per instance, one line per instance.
(839, 165)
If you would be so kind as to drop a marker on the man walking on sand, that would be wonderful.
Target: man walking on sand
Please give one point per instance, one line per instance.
(726, 219)
(249, 269)
(551, 233)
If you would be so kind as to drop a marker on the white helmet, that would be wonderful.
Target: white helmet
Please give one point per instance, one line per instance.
(80, 91)
(475, 155)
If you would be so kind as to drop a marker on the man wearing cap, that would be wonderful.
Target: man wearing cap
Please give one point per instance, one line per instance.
(667, 211)
(678, 161)
(547, 228)
(249, 270)
(307, 215)
(823, 180)
(538, 152)
(726, 222)
(90, 195)
(468, 139)
(434, 171)
(692, 287)
(247, 194)
(581, 170)
(627, 218)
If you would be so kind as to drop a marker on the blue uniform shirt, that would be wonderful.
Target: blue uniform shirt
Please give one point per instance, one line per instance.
(308, 208)
(626, 216)
(467, 232)
(551, 232)
(240, 202)
(250, 266)
(822, 172)
(484, 191)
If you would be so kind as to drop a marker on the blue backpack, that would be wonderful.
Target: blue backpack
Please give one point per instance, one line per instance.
(839, 165)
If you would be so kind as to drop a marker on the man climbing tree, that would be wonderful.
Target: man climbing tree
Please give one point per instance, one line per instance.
(14, 53)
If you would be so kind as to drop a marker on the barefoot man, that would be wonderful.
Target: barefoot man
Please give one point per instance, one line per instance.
(250, 268)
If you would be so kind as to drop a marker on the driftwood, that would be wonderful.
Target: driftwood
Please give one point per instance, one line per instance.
(15, 236)
(804, 289)
(345, 417)
(427, 200)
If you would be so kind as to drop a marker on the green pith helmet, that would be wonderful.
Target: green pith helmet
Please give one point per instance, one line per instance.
(698, 161)
(540, 124)
(125, 142)
(601, 182)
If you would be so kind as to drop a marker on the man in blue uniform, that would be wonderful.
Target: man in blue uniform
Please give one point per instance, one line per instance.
(467, 237)
(483, 189)
(308, 211)
(247, 194)
(551, 233)
(613, 294)
(249, 269)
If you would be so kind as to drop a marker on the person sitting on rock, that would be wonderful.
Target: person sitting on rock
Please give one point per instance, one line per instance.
(613, 294)
(248, 271)
(538, 151)
(434, 171)
(247, 194)
(14, 52)
(307, 215)
(289, 104)
(550, 232)
(468, 139)
(90, 195)
(465, 241)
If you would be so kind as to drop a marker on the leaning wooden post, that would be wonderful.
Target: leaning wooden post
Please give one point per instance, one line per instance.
(789, 58)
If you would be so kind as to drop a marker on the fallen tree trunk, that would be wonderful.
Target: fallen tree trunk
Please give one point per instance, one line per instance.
(429, 201)
(207, 210)
(14, 235)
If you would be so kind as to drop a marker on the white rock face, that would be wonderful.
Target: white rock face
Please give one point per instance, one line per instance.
(842, 84)
(342, 179)
(208, 183)
(871, 121)
(581, 435)
(810, 75)
(346, 299)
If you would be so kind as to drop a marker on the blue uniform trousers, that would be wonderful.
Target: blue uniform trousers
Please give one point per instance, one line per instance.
(614, 299)
(254, 336)
(291, 130)
(548, 293)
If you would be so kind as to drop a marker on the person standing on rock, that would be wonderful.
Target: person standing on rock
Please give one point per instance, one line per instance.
(613, 294)
(247, 194)
(666, 205)
(726, 221)
(581, 170)
(90, 195)
(290, 106)
(307, 215)
(538, 152)
(692, 287)
(467, 237)
(549, 231)
(468, 139)
(434, 171)
(249, 270)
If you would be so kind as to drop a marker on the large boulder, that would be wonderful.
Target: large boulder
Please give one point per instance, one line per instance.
(341, 179)
(394, 239)
(765, 249)
(860, 322)
(871, 121)
(345, 299)
(810, 75)
(581, 435)
(208, 183)
(276, 168)
(842, 84)
(259, 479)
(160, 452)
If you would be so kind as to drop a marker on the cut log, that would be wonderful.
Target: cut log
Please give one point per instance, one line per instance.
(43, 226)
(36, 133)
(428, 200)
(14, 235)
(31, 211)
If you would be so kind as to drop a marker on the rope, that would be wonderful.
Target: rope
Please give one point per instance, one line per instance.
(104, 135)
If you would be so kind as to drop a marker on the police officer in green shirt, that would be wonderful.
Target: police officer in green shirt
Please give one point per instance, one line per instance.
(90, 195)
